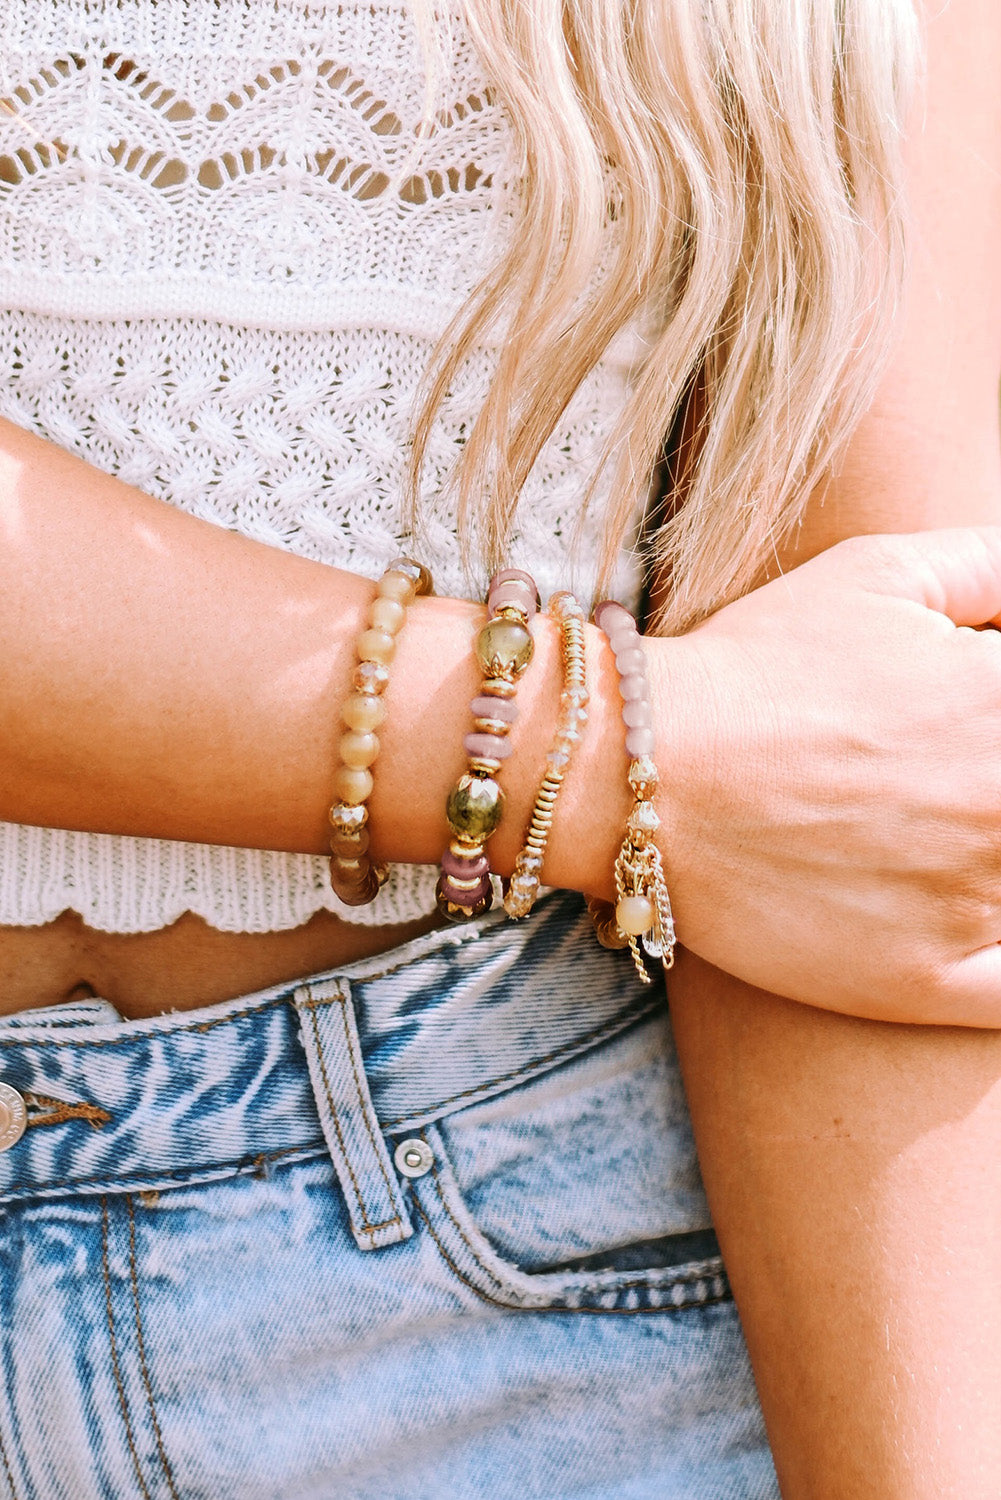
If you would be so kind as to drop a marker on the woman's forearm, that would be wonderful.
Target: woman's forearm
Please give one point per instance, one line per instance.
(852, 1170)
(165, 677)
(852, 1166)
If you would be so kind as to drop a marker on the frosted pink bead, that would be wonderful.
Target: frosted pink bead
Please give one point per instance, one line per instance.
(634, 687)
(514, 592)
(630, 661)
(487, 746)
(623, 639)
(639, 742)
(508, 575)
(637, 714)
(610, 614)
(486, 707)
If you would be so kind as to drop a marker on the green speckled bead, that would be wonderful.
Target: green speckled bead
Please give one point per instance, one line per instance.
(504, 648)
(474, 808)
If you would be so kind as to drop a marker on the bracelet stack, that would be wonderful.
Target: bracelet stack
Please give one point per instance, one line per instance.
(355, 879)
(504, 649)
(526, 880)
(641, 918)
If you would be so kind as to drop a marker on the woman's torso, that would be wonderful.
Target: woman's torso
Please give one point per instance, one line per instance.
(225, 263)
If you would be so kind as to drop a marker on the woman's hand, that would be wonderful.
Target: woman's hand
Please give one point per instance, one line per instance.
(835, 818)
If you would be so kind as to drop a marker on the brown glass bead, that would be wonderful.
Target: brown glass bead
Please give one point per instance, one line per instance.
(356, 893)
(350, 845)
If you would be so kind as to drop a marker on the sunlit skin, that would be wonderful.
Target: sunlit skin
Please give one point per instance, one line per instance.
(852, 1167)
(162, 679)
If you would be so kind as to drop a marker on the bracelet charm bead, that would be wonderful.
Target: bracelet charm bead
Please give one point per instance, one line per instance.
(504, 648)
(355, 879)
(641, 917)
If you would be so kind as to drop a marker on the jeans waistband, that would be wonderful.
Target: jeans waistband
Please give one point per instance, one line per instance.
(383, 1046)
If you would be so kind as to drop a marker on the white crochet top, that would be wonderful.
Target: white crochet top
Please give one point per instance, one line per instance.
(223, 265)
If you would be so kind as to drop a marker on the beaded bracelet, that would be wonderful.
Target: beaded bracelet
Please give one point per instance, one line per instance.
(504, 649)
(642, 913)
(526, 879)
(355, 879)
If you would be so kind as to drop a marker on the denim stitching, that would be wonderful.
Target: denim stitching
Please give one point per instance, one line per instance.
(144, 1369)
(363, 1106)
(114, 1349)
(368, 1227)
(7, 1470)
(602, 1312)
(123, 1041)
(60, 1111)
(617, 1023)
(238, 1164)
(679, 1278)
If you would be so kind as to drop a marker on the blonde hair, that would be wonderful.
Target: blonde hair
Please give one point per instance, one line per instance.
(726, 173)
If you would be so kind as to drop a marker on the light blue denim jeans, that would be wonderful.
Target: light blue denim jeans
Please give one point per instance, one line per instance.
(428, 1227)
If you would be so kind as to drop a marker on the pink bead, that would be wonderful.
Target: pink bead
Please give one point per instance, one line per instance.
(505, 575)
(630, 661)
(521, 595)
(487, 746)
(639, 742)
(623, 639)
(610, 615)
(486, 707)
(462, 867)
(450, 892)
(637, 715)
(634, 687)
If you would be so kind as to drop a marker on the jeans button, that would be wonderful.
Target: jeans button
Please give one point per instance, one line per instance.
(413, 1157)
(13, 1117)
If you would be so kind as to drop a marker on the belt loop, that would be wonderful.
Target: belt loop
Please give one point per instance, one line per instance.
(375, 1203)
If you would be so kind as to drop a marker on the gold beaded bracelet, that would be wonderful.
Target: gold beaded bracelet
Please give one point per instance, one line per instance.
(355, 879)
(526, 879)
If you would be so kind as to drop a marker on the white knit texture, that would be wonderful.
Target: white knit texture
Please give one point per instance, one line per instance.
(225, 257)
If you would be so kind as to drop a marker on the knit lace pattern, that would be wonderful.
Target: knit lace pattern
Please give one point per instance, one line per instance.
(226, 253)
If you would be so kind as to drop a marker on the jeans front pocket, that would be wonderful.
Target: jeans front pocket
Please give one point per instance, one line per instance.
(578, 1190)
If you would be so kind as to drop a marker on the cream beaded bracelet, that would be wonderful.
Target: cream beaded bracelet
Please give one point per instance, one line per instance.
(641, 918)
(355, 879)
(526, 879)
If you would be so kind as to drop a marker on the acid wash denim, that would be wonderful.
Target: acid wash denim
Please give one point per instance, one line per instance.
(428, 1228)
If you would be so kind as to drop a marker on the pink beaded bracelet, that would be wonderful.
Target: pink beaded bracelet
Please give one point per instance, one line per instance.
(641, 917)
(355, 879)
(504, 649)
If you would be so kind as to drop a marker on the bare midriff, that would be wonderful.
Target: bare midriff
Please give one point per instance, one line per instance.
(180, 967)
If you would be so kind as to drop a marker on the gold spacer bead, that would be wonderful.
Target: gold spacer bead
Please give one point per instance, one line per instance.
(498, 687)
(484, 765)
